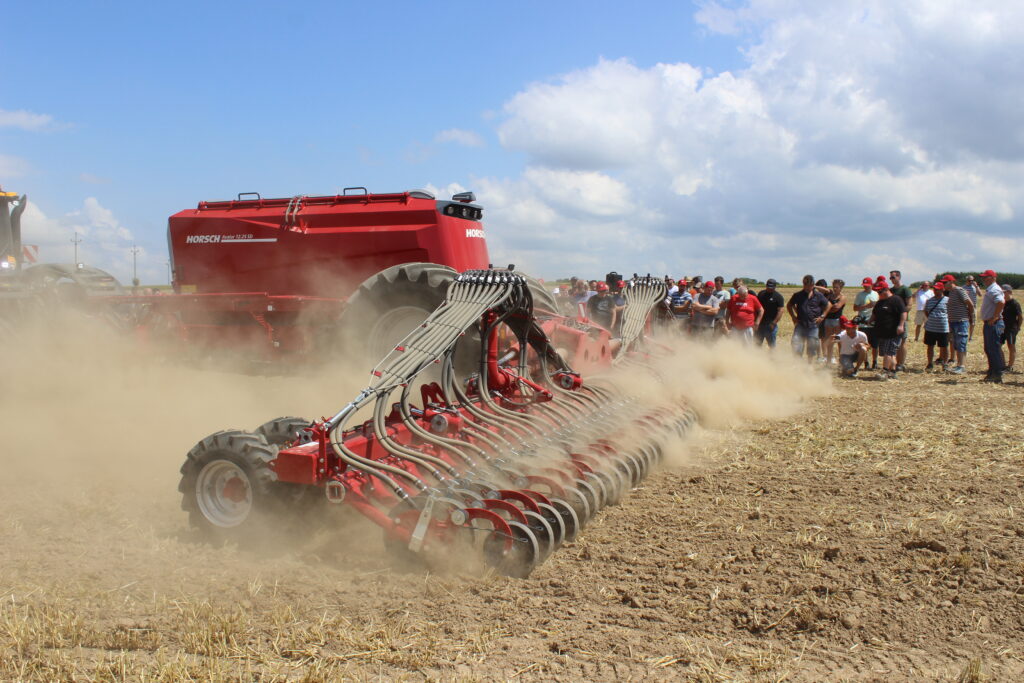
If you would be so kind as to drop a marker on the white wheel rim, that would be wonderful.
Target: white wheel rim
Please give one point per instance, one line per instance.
(224, 493)
(394, 326)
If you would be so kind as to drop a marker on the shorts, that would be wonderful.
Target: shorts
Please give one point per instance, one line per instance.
(902, 338)
(869, 332)
(1010, 337)
(920, 317)
(940, 339)
(848, 361)
(959, 330)
(888, 346)
(830, 324)
(805, 338)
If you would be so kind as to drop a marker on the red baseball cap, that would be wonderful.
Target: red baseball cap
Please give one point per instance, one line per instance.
(602, 287)
(709, 283)
(939, 286)
(846, 323)
(867, 281)
(948, 278)
(989, 273)
(881, 285)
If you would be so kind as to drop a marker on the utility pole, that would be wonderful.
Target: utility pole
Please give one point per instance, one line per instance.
(76, 240)
(135, 265)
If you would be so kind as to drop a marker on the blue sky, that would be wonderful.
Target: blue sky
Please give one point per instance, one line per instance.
(768, 137)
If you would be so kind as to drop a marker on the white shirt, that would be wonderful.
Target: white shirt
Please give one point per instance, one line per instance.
(847, 343)
(922, 296)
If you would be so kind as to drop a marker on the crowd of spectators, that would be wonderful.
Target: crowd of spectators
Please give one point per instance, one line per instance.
(829, 327)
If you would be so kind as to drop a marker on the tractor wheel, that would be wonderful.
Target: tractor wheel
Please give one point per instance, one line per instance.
(542, 298)
(389, 305)
(229, 490)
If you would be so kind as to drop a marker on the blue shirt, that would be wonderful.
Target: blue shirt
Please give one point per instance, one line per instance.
(680, 298)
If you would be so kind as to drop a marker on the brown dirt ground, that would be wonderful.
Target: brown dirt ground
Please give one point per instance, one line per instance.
(877, 534)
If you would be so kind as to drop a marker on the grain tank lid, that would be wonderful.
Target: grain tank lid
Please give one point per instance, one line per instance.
(252, 200)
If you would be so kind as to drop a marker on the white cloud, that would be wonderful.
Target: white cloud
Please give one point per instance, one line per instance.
(105, 242)
(13, 167)
(25, 120)
(860, 135)
(466, 138)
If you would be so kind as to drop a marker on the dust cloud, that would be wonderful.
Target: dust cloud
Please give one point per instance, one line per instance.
(727, 383)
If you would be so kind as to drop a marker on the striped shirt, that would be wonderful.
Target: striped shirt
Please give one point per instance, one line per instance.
(680, 298)
(938, 320)
(957, 304)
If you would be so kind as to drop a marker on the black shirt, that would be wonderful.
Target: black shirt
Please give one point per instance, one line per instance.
(887, 314)
(771, 301)
(1012, 315)
(600, 309)
(809, 306)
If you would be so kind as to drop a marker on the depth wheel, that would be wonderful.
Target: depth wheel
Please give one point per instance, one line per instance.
(228, 488)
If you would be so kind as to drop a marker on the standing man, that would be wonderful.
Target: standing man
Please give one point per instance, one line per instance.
(723, 296)
(680, 304)
(890, 320)
(601, 306)
(745, 313)
(863, 304)
(961, 312)
(924, 292)
(773, 305)
(1012, 319)
(900, 290)
(705, 309)
(807, 308)
(992, 305)
(936, 327)
(972, 291)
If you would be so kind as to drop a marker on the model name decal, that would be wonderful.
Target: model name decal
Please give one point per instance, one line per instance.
(474, 232)
(224, 239)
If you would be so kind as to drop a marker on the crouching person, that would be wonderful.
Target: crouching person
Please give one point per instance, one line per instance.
(853, 348)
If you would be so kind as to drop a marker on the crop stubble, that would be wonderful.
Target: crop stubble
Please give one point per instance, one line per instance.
(873, 533)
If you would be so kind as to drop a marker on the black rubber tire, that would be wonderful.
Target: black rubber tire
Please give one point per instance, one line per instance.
(251, 455)
(285, 431)
(369, 325)
(542, 298)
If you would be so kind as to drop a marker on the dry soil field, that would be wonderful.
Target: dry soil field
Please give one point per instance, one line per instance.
(817, 529)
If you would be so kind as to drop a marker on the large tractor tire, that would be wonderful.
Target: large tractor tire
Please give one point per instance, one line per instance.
(542, 298)
(389, 305)
(229, 490)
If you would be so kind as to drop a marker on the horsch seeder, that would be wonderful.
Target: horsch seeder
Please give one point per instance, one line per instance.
(473, 432)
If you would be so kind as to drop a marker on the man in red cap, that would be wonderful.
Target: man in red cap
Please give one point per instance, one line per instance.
(992, 316)
(680, 303)
(889, 317)
(853, 348)
(601, 306)
(960, 311)
(936, 326)
(862, 305)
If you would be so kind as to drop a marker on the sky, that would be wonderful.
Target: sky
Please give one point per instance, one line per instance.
(754, 138)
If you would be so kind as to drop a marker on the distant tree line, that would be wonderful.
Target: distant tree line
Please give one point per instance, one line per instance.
(1015, 280)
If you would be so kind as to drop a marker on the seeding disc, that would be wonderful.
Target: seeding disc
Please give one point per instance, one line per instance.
(520, 559)
(556, 522)
(570, 520)
(545, 534)
(591, 495)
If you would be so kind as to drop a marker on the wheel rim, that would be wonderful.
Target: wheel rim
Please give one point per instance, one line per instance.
(394, 325)
(224, 493)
